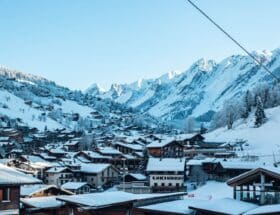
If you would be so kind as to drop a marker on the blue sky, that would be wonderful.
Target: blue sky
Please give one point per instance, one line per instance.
(77, 43)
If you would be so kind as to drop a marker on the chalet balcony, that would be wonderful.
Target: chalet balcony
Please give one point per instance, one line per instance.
(166, 189)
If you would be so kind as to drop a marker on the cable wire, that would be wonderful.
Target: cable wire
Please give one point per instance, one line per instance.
(234, 40)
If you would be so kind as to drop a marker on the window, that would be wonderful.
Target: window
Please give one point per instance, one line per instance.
(5, 194)
(162, 184)
(155, 184)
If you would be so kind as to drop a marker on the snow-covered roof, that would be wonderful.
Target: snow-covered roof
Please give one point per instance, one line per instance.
(57, 151)
(29, 189)
(93, 167)
(136, 147)
(266, 209)
(240, 165)
(93, 154)
(37, 162)
(12, 176)
(270, 170)
(46, 156)
(224, 206)
(186, 136)
(109, 150)
(34, 159)
(161, 143)
(43, 202)
(176, 207)
(73, 185)
(71, 142)
(138, 176)
(109, 198)
(198, 162)
(56, 169)
(166, 164)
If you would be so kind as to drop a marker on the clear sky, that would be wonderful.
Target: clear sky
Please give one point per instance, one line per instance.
(77, 43)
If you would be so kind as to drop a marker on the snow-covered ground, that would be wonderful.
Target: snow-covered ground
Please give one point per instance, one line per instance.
(211, 190)
(16, 108)
(263, 141)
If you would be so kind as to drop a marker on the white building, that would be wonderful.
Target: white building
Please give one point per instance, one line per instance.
(98, 175)
(167, 174)
(58, 175)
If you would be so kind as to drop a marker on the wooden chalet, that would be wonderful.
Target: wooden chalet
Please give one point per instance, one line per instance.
(10, 182)
(73, 145)
(91, 156)
(190, 140)
(41, 190)
(260, 186)
(166, 148)
(58, 175)
(223, 170)
(128, 148)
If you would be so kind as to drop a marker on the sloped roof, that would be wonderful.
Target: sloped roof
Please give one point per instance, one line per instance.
(136, 147)
(223, 206)
(57, 169)
(266, 209)
(239, 165)
(166, 164)
(109, 150)
(43, 202)
(271, 171)
(110, 198)
(11, 176)
(170, 207)
(138, 176)
(161, 143)
(73, 185)
(93, 167)
(30, 190)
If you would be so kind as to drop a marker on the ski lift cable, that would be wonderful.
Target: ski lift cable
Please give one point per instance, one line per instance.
(234, 40)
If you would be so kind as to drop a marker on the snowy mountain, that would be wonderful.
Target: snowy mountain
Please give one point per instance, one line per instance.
(28, 100)
(199, 91)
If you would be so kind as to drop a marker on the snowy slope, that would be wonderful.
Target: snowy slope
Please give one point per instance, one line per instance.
(33, 101)
(16, 108)
(200, 90)
(262, 141)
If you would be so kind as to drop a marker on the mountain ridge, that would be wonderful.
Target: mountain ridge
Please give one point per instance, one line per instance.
(200, 90)
(36, 102)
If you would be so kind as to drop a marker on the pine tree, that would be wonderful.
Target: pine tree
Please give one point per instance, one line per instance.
(247, 105)
(259, 114)
(230, 120)
(203, 130)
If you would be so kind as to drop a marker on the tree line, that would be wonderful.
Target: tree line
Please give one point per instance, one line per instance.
(253, 101)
